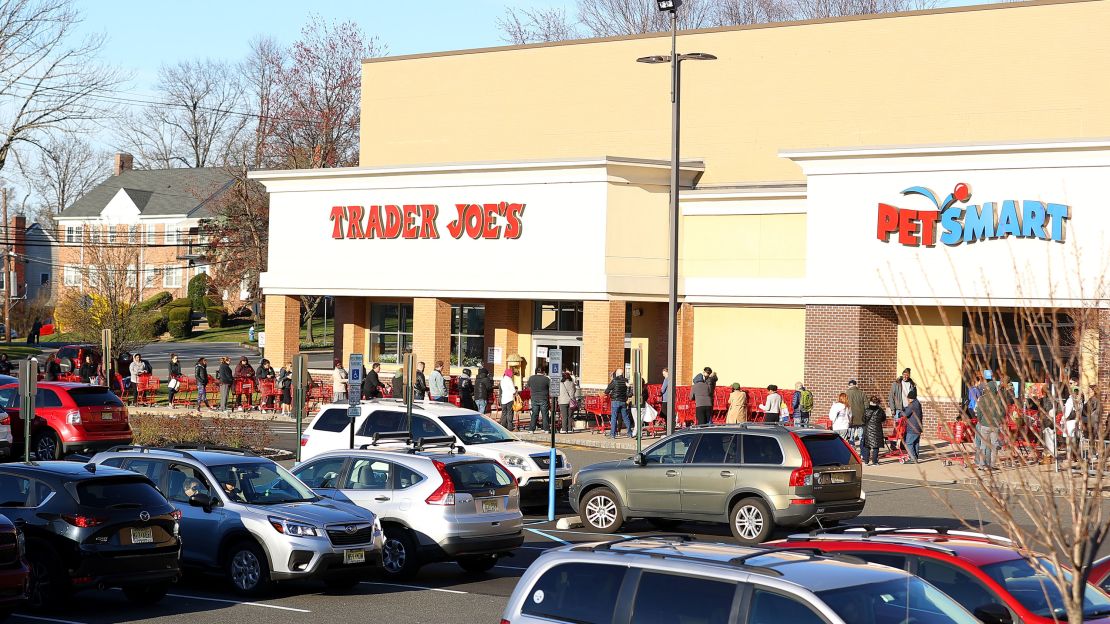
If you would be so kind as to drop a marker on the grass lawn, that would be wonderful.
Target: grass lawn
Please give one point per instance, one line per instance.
(236, 331)
(18, 351)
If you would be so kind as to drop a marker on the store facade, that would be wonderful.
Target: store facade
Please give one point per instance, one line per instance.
(805, 254)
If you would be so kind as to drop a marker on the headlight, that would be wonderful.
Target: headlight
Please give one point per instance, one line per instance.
(377, 528)
(295, 529)
(513, 461)
(566, 461)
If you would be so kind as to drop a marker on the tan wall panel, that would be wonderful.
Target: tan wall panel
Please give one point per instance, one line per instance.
(744, 246)
(750, 346)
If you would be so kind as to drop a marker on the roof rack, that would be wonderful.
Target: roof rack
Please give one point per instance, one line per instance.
(884, 538)
(414, 445)
(678, 537)
(212, 448)
(870, 530)
(128, 448)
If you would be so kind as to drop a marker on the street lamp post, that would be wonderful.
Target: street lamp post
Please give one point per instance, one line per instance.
(675, 59)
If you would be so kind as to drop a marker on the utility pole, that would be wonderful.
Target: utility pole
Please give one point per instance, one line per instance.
(7, 270)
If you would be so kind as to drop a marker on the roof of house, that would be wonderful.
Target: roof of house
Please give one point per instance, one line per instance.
(156, 192)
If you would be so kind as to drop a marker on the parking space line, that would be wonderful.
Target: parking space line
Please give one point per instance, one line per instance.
(599, 536)
(509, 567)
(44, 619)
(435, 589)
(550, 537)
(536, 547)
(238, 602)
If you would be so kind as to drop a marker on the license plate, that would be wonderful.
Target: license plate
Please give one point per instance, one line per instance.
(354, 556)
(836, 477)
(490, 504)
(106, 416)
(558, 484)
(142, 536)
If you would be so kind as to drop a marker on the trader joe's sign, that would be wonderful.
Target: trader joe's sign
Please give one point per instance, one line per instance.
(412, 221)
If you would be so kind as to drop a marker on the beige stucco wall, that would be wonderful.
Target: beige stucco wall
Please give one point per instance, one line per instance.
(772, 245)
(749, 345)
(930, 343)
(1009, 73)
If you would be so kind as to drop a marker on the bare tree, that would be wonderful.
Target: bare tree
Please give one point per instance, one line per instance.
(238, 234)
(744, 12)
(608, 18)
(259, 74)
(539, 25)
(66, 169)
(817, 9)
(48, 82)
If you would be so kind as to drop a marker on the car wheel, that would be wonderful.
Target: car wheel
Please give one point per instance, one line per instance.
(146, 594)
(750, 521)
(399, 558)
(601, 511)
(247, 569)
(47, 584)
(476, 564)
(47, 446)
(664, 524)
(342, 583)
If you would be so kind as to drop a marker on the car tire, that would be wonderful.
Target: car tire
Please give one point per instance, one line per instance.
(342, 583)
(47, 583)
(399, 558)
(477, 564)
(601, 511)
(47, 446)
(664, 524)
(750, 521)
(146, 594)
(247, 569)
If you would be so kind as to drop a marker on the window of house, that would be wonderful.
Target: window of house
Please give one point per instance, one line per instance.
(390, 331)
(563, 316)
(132, 234)
(148, 277)
(468, 334)
(173, 235)
(132, 276)
(44, 279)
(110, 233)
(151, 234)
(71, 275)
(73, 234)
(93, 276)
(93, 234)
(171, 277)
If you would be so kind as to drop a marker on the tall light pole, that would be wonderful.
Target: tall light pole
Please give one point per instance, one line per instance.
(675, 59)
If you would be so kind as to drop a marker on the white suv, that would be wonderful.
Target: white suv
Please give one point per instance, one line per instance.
(478, 435)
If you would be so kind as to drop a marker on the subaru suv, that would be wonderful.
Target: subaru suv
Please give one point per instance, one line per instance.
(248, 518)
(673, 578)
(433, 504)
(479, 435)
(753, 476)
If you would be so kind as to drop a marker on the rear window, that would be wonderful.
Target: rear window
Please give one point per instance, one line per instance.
(478, 476)
(94, 397)
(828, 450)
(583, 593)
(334, 420)
(118, 494)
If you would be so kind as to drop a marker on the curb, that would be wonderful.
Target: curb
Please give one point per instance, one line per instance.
(586, 440)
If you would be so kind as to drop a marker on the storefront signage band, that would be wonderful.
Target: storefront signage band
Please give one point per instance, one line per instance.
(411, 221)
(952, 225)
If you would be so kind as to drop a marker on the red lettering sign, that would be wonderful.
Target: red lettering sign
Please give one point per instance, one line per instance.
(420, 221)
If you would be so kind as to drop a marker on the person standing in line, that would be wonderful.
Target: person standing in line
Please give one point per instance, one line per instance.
(136, 369)
(665, 394)
(200, 372)
(914, 419)
(284, 383)
(466, 391)
(873, 438)
(52, 369)
(338, 382)
(539, 385)
(420, 384)
(437, 385)
(225, 378)
(508, 396)
(5, 364)
(566, 396)
(737, 406)
(87, 370)
(618, 393)
(174, 380)
(989, 411)
(840, 416)
(772, 406)
(857, 402)
(243, 372)
(710, 380)
(483, 387)
(398, 384)
(1096, 418)
(372, 386)
(803, 405)
(1073, 420)
(900, 391)
(703, 400)
(974, 391)
(266, 372)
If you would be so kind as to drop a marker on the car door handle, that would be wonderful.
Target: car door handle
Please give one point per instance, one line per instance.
(726, 473)
(381, 498)
(672, 473)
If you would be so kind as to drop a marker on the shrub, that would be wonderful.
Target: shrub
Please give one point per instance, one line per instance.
(179, 314)
(155, 301)
(162, 430)
(198, 288)
(217, 316)
(158, 324)
(176, 304)
(181, 329)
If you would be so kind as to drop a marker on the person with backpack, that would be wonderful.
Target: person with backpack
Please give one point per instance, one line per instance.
(803, 405)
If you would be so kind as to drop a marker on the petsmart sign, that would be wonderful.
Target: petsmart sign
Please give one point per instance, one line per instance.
(956, 221)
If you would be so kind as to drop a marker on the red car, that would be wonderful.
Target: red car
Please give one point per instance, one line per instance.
(984, 573)
(14, 572)
(70, 357)
(1100, 574)
(69, 418)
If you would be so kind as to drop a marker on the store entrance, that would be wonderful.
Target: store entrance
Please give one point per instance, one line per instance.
(1027, 347)
(571, 348)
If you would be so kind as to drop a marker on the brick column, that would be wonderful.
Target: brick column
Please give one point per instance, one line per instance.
(845, 342)
(684, 336)
(283, 329)
(350, 327)
(502, 325)
(602, 340)
(431, 331)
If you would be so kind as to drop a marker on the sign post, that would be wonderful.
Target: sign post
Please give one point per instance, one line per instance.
(637, 386)
(554, 372)
(410, 370)
(354, 392)
(106, 359)
(300, 385)
(28, 385)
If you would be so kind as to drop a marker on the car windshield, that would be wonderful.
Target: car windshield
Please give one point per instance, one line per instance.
(908, 599)
(476, 429)
(1036, 592)
(259, 483)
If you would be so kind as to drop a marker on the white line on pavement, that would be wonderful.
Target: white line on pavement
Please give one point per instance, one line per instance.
(536, 547)
(598, 536)
(508, 567)
(550, 537)
(237, 602)
(44, 619)
(435, 589)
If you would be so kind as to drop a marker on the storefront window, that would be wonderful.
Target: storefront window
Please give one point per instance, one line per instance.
(468, 330)
(390, 331)
(558, 316)
(1026, 347)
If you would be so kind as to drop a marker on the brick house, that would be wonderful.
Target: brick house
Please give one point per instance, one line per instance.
(157, 212)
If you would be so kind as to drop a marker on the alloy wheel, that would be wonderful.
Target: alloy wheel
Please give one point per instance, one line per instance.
(246, 570)
(47, 447)
(749, 522)
(394, 555)
(601, 511)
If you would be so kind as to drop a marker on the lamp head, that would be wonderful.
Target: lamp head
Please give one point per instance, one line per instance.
(669, 6)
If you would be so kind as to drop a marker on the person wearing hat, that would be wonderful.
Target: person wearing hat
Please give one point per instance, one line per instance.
(737, 406)
(466, 391)
(803, 405)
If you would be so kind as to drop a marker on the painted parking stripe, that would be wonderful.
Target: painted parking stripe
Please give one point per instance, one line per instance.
(435, 589)
(597, 535)
(509, 567)
(44, 619)
(237, 602)
(548, 536)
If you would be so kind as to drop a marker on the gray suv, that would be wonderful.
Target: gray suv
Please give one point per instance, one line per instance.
(753, 476)
(249, 518)
(668, 579)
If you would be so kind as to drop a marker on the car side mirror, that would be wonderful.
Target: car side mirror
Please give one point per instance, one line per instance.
(993, 613)
(639, 459)
(201, 500)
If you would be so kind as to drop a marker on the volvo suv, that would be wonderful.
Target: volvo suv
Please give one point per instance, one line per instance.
(246, 517)
(753, 476)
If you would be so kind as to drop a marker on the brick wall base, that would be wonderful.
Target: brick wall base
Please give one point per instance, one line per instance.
(845, 342)
(283, 329)
(431, 331)
(602, 340)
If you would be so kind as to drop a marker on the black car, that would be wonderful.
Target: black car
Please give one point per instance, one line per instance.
(91, 527)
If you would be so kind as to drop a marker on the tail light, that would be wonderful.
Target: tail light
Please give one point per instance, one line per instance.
(6, 420)
(445, 493)
(83, 522)
(73, 417)
(304, 440)
(803, 475)
(176, 514)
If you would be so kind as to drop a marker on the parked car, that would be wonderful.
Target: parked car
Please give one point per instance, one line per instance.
(69, 418)
(479, 435)
(986, 574)
(752, 476)
(1100, 574)
(90, 527)
(70, 356)
(6, 439)
(249, 519)
(433, 506)
(14, 573)
(675, 579)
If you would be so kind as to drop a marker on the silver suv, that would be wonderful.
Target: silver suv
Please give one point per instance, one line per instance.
(753, 476)
(249, 518)
(434, 505)
(669, 579)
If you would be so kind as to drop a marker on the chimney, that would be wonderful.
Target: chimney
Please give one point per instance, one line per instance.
(124, 162)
